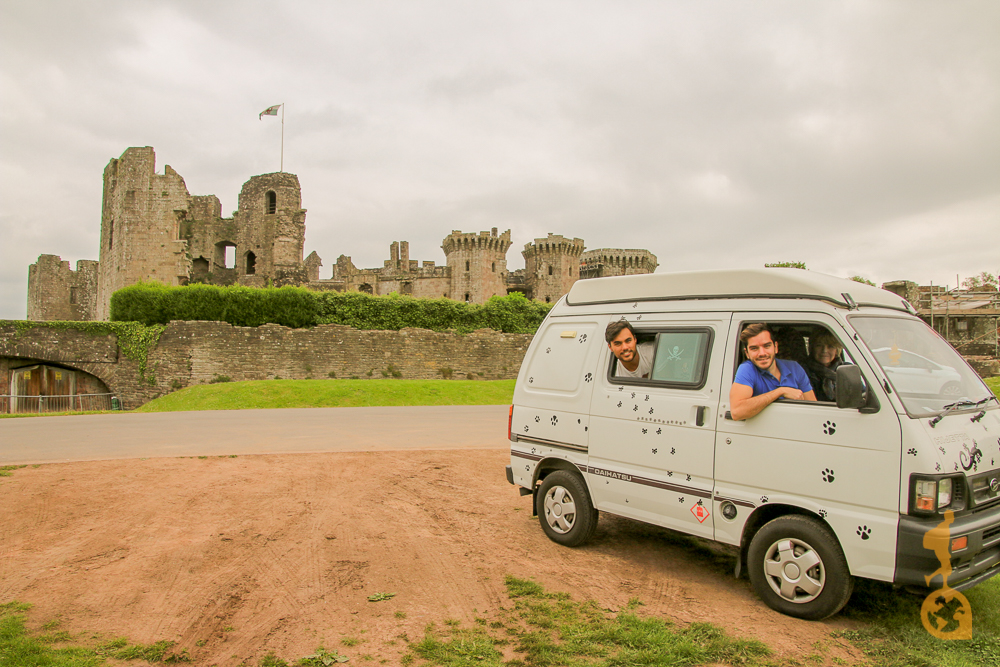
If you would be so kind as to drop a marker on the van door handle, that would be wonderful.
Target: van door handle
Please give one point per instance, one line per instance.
(699, 419)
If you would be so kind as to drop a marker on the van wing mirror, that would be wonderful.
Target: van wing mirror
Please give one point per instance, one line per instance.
(850, 388)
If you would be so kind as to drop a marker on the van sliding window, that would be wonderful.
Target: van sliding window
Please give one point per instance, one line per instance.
(680, 359)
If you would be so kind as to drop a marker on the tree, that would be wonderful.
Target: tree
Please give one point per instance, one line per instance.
(862, 279)
(983, 282)
(785, 265)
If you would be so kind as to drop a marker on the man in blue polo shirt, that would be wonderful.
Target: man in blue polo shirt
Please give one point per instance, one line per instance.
(763, 378)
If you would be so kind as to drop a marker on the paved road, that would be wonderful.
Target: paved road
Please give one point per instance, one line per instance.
(208, 433)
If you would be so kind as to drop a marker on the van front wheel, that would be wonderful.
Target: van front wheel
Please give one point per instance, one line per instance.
(564, 509)
(797, 567)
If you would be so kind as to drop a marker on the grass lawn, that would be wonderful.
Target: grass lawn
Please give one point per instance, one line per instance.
(332, 394)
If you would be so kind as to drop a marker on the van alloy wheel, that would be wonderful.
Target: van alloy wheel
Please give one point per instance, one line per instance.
(797, 567)
(564, 509)
(794, 570)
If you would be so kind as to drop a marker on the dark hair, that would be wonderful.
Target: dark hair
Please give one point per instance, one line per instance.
(751, 330)
(616, 328)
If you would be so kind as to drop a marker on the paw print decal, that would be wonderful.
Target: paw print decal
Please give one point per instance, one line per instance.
(621, 388)
(673, 450)
(659, 431)
(583, 338)
(619, 404)
(828, 475)
(531, 380)
(763, 499)
(651, 411)
(647, 397)
(554, 420)
(689, 479)
(644, 431)
(942, 450)
(635, 305)
(588, 377)
(829, 428)
(638, 318)
(537, 419)
(525, 428)
(864, 531)
(548, 350)
(670, 473)
(911, 451)
(635, 408)
(633, 394)
(654, 450)
(680, 499)
(822, 514)
(937, 467)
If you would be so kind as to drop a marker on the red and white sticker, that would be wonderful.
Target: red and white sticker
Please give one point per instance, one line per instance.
(700, 512)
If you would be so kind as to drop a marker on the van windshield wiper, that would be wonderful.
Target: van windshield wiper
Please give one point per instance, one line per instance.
(958, 405)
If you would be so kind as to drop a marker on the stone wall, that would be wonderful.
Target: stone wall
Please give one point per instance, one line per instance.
(191, 353)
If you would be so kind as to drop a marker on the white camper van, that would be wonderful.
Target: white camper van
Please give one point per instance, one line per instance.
(812, 493)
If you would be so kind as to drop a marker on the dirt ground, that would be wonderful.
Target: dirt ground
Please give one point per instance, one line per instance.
(234, 558)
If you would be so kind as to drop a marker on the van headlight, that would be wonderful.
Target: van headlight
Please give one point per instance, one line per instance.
(930, 495)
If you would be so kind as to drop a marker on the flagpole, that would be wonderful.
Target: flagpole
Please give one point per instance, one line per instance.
(282, 137)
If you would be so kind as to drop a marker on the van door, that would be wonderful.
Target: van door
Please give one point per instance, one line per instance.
(841, 465)
(652, 440)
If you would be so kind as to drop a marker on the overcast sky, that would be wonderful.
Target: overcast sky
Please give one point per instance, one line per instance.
(857, 137)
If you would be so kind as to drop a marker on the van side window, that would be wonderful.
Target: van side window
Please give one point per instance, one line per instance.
(680, 358)
(814, 347)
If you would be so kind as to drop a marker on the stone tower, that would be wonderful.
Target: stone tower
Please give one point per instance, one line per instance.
(551, 266)
(57, 292)
(477, 263)
(140, 225)
(270, 231)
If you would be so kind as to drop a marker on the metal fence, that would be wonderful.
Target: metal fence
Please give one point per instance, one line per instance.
(37, 404)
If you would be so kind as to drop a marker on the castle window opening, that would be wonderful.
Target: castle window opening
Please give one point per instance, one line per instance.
(494, 267)
(467, 296)
(72, 295)
(548, 299)
(251, 266)
(365, 287)
(550, 269)
(569, 271)
(466, 268)
(230, 256)
(271, 202)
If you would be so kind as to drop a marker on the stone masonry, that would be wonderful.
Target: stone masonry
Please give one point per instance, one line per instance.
(152, 228)
(190, 353)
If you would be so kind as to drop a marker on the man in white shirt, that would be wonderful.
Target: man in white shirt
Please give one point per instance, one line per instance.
(634, 361)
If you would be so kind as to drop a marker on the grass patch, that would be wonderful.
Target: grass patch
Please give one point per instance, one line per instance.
(7, 471)
(19, 646)
(994, 384)
(259, 394)
(551, 629)
(893, 635)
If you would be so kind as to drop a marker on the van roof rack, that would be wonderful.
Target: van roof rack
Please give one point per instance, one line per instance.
(772, 283)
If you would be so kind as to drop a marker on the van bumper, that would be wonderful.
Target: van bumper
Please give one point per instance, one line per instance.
(973, 565)
(510, 475)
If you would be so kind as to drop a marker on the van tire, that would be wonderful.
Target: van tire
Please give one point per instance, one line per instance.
(564, 509)
(777, 554)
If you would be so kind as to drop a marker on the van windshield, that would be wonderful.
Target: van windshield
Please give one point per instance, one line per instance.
(924, 370)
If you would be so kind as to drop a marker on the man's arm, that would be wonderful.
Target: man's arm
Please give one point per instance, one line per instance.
(744, 405)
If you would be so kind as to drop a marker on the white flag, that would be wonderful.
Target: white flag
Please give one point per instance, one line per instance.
(270, 111)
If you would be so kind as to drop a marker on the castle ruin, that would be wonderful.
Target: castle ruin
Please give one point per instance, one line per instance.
(152, 228)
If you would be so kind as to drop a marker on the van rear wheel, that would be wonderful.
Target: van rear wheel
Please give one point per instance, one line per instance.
(798, 568)
(564, 509)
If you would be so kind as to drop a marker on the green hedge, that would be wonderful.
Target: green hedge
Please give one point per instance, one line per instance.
(155, 303)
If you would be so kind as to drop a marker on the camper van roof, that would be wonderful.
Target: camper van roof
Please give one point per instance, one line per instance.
(734, 284)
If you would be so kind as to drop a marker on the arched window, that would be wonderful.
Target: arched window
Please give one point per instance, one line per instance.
(570, 270)
(494, 267)
(466, 268)
(251, 267)
(270, 202)
(365, 287)
(466, 296)
(550, 269)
